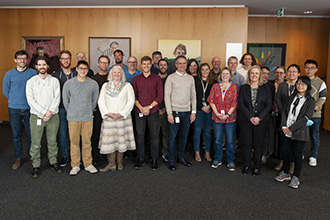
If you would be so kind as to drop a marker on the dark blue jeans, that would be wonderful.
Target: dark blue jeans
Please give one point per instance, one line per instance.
(315, 137)
(63, 132)
(15, 120)
(205, 119)
(183, 127)
(229, 130)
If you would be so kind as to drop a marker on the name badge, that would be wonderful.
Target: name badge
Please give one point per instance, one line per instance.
(140, 115)
(39, 122)
(222, 112)
(177, 120)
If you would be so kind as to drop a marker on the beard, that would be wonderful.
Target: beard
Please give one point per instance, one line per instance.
(119, 62)
(42, 71)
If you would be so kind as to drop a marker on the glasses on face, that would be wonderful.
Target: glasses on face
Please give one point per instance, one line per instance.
(279, 72)
(62, 58)
(82, 68)
(295, 71)
(132, 62)
(21, 58)
(300, 83)
(184, 63)
(309, 68)
(103, 63)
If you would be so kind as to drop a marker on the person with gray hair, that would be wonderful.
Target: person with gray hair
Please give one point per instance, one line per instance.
(115, 103)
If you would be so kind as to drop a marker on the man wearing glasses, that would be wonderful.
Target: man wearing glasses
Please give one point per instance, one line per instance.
(132, 71)
(319, 93)
(80, 96)
(180, 103)
(13, 88)
(215, 71)
(64, 74)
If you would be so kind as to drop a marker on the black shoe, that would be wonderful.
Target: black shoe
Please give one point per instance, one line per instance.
(245, 170)
(64, 162)
(171, 166)
(184, 162)
(35, 172)
(139, 164)
(154, 164)
(165, 157)
(256, 172)
(56, 168)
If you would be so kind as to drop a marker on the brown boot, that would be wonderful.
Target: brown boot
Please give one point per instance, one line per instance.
(198, 157)
(17, 164)
(208, 156)
(279, 165)
(291, 170)
(111, 163)
(120, 161)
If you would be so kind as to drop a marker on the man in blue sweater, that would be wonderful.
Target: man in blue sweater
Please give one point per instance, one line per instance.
(13, 88)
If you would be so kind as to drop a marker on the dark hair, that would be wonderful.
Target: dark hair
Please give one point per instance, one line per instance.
(280, 67)
(311, 62)
(189, 63)
(163, 60)
(265, 67)
(209, 77)
(181, 56)
(119, 51)
(157, 53)
(21, 53)
(40, 48)
(65, 51)
(46, 59)
(254, 62)
(82, 62)
(146, 58)
(306, 80)
(103, 56)
(294, 65)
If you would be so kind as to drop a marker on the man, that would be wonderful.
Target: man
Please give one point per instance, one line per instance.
(80, 96)
(238, 79)
(119, 55)
(132, 71)
(148, 89)
(13, 88)
(101, 77)
(163, 123)
(215, 71)
(82, 56)
(247, 61)
(319, 93)
(43, 95)
(156, 56)
(180, 102)
(64, 74)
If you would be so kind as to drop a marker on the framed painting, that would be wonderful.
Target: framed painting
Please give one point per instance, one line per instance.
(172, 48)
(49, 46)
(267, 54)
(106, 46)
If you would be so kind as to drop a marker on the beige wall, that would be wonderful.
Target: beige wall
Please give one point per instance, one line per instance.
(214, 26)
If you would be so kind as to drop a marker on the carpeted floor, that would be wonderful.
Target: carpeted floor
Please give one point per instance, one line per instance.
(198, 192)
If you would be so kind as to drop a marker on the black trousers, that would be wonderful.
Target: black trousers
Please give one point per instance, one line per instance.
(252, 138)
(298, 147)
(97, 122)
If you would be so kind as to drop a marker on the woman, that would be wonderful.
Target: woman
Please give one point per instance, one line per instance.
(192, 68)
(116, 102)
(284, 91)
(279, 76)
(203, 117)
(255, 103)
(223, 101)
(295, 117)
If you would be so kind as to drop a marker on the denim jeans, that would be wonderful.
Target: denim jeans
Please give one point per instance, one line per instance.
(15, 120)
(63, 132)
(183, 127)
(229, 130)
(315, 137)
(205, 119)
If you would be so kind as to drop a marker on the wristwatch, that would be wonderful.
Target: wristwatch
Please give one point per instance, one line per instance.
(150, 106)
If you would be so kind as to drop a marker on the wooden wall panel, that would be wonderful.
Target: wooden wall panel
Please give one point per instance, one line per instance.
(214, 26)
(326, 123)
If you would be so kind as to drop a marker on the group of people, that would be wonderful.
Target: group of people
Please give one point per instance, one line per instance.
(113, 111)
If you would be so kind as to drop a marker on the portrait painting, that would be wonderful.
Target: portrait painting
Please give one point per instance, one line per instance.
(48, 46)
(106, 46)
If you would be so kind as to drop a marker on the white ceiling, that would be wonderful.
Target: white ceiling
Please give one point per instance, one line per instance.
(256, 7)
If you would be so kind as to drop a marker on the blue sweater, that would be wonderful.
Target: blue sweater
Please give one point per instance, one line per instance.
(13, 87)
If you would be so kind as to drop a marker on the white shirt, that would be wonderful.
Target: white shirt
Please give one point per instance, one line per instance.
(243, 72)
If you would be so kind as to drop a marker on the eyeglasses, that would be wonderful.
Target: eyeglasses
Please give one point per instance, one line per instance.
(103, 62)
(132, 62)
(293, 71)
(83, 68)
(20, 58)
(185, 63)
(309, 68)
(65, 58)
(279, 72)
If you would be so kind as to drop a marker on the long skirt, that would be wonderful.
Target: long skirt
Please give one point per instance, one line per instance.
(116, 135)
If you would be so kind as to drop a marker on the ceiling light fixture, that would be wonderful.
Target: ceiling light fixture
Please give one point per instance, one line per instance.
(308, 12)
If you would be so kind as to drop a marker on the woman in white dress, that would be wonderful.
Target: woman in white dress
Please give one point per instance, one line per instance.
(116, 102)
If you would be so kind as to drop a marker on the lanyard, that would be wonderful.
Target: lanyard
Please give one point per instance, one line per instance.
(290, 93)
(204, 90)
(224, 93)
(67, 76)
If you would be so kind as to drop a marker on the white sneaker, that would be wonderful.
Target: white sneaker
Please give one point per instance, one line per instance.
(312, 161)
(74, 171)
(91, 169)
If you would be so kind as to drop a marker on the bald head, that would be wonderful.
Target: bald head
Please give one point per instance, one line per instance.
(81, 56)
(216, 62)
(132, 63)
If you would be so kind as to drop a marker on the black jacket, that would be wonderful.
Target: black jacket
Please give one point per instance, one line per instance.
(263, 103)
(299, 129)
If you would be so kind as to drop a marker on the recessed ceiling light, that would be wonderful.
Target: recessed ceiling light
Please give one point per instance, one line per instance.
(308, 12)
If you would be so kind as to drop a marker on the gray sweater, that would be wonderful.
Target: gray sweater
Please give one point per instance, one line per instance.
(80, 99)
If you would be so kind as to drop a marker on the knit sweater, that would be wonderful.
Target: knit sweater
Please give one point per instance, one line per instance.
(319, 93)
(80, 99)
(180, 94)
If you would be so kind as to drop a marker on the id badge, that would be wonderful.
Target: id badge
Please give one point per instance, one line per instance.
(177, 120)
(140, 115)
(38, 122)
(222, 112)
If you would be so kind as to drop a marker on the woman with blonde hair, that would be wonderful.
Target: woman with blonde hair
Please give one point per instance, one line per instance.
(116, 102)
